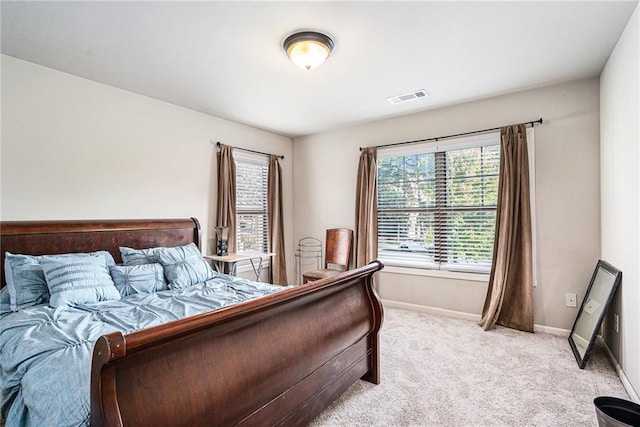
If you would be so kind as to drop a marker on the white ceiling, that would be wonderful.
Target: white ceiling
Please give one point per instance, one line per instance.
(226, 58)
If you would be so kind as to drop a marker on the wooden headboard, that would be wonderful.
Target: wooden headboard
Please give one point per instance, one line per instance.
(58, 237)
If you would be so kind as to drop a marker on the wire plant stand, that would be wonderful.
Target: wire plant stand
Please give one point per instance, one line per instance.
(308, 256)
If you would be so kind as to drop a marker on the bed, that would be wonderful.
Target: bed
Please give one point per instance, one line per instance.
(279, 359)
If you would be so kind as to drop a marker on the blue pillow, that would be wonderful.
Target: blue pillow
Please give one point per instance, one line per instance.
(78, 280)
(5, 301)
(26, 281)
(138, 256)
(138, 279)
(184, 266)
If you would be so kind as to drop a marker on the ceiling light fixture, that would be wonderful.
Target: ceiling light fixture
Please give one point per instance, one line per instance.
(308, 49)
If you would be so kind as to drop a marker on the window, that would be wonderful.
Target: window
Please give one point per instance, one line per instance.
(251, 203)
(437, 205)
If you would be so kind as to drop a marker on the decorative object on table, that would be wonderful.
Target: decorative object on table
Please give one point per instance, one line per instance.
(616, 412)
(337, 255)
(222, 237)
(308, 254)
(602, 288)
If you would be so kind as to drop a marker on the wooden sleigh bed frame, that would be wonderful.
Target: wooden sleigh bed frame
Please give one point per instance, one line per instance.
(276, 360)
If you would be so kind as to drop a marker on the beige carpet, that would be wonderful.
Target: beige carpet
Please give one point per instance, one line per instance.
(441, 371)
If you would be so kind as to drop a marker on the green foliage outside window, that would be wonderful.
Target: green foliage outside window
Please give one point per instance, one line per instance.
(438, 209)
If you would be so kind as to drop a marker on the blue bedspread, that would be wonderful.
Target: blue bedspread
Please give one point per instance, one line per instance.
(45, 353)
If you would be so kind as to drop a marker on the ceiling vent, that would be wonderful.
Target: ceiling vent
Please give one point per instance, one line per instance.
(408, 96)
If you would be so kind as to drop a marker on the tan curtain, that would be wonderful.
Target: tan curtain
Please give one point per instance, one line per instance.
(226, 204)
(366, 233)
(509, 300)
(276, 221)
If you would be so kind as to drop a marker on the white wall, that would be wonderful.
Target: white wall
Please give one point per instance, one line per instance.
(620, 192)
(76, 149)
(567, 187)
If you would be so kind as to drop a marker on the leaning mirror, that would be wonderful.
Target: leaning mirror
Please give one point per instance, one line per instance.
(601, 289)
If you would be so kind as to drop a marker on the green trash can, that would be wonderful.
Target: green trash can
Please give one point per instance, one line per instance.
(615, 412)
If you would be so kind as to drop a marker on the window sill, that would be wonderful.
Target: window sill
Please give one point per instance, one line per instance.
(443, 274)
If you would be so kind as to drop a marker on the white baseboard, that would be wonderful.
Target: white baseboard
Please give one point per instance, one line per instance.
(431, 310)
(552, 331)
(623, 377)
(466, 316)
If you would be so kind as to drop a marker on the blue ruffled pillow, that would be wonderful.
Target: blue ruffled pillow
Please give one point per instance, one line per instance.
(26, 281)
(138, 256)
(78, 280)
(138, 279)
(184, 266)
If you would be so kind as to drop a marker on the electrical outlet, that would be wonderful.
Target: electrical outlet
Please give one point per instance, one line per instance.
(570, 300)
(616, 320)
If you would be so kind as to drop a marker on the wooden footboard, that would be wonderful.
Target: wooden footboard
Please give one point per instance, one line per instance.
(278, 360)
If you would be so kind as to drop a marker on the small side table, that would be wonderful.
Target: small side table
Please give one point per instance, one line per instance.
(228, 263)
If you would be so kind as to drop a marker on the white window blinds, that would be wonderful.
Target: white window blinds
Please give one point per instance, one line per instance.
(251, 203)
(437, 205)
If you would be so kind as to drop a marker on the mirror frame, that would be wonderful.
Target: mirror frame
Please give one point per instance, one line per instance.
(582, 361)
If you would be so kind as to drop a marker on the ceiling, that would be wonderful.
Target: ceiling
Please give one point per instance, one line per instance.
(226, 58)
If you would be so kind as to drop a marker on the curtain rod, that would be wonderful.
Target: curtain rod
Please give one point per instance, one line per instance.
(218, 144)
(531, 123)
